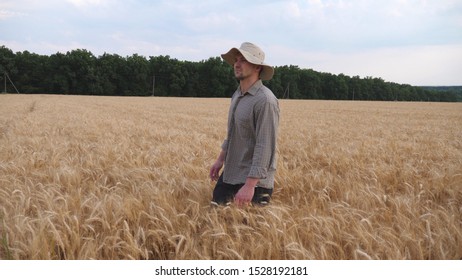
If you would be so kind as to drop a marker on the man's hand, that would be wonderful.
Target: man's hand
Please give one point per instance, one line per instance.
(215, 170)
(216, 167)
(245, 194)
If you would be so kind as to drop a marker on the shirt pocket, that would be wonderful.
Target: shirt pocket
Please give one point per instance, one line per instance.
(244, 128)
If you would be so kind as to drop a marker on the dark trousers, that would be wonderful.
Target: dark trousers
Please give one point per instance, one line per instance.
(224, 193)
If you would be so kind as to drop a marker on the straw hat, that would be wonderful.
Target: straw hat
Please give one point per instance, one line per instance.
(253, 54)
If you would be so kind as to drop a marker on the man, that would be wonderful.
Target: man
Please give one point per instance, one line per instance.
(249, 151)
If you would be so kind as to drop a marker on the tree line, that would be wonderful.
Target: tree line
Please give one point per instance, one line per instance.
(80, 72)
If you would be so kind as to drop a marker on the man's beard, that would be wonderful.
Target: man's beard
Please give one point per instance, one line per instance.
(241, 76)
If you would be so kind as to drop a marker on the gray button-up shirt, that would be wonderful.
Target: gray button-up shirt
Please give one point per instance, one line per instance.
(252, 135)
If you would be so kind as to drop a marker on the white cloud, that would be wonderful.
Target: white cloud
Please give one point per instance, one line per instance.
(293, 10)
(6, 14)
(86, 3)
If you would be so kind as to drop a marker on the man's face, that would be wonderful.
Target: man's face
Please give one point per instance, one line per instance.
(244, 69)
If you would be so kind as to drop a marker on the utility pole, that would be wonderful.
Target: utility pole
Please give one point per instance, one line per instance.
(6, 76)
(286, 91)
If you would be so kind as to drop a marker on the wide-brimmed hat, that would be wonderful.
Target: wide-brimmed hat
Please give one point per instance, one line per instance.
(253, 54)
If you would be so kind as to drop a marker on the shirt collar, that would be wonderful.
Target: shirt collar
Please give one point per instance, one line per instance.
(253, 89)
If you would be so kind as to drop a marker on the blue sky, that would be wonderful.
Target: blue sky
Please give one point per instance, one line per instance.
(416, 42)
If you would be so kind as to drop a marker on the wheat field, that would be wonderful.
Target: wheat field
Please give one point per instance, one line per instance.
(127, 178)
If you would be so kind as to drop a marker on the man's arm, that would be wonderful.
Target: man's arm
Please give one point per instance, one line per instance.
(245, 194)
(266, 136)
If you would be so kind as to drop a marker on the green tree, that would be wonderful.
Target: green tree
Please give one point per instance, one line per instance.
(160, 69)
(7, 61)
(137, 75)
(32, 70)
(108, 70)
(7, 64)
(310, 84)
(290, 76)
(82, 75)
(58, 78)
(217, 78)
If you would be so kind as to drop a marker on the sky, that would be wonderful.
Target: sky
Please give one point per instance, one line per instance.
(417, 42)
